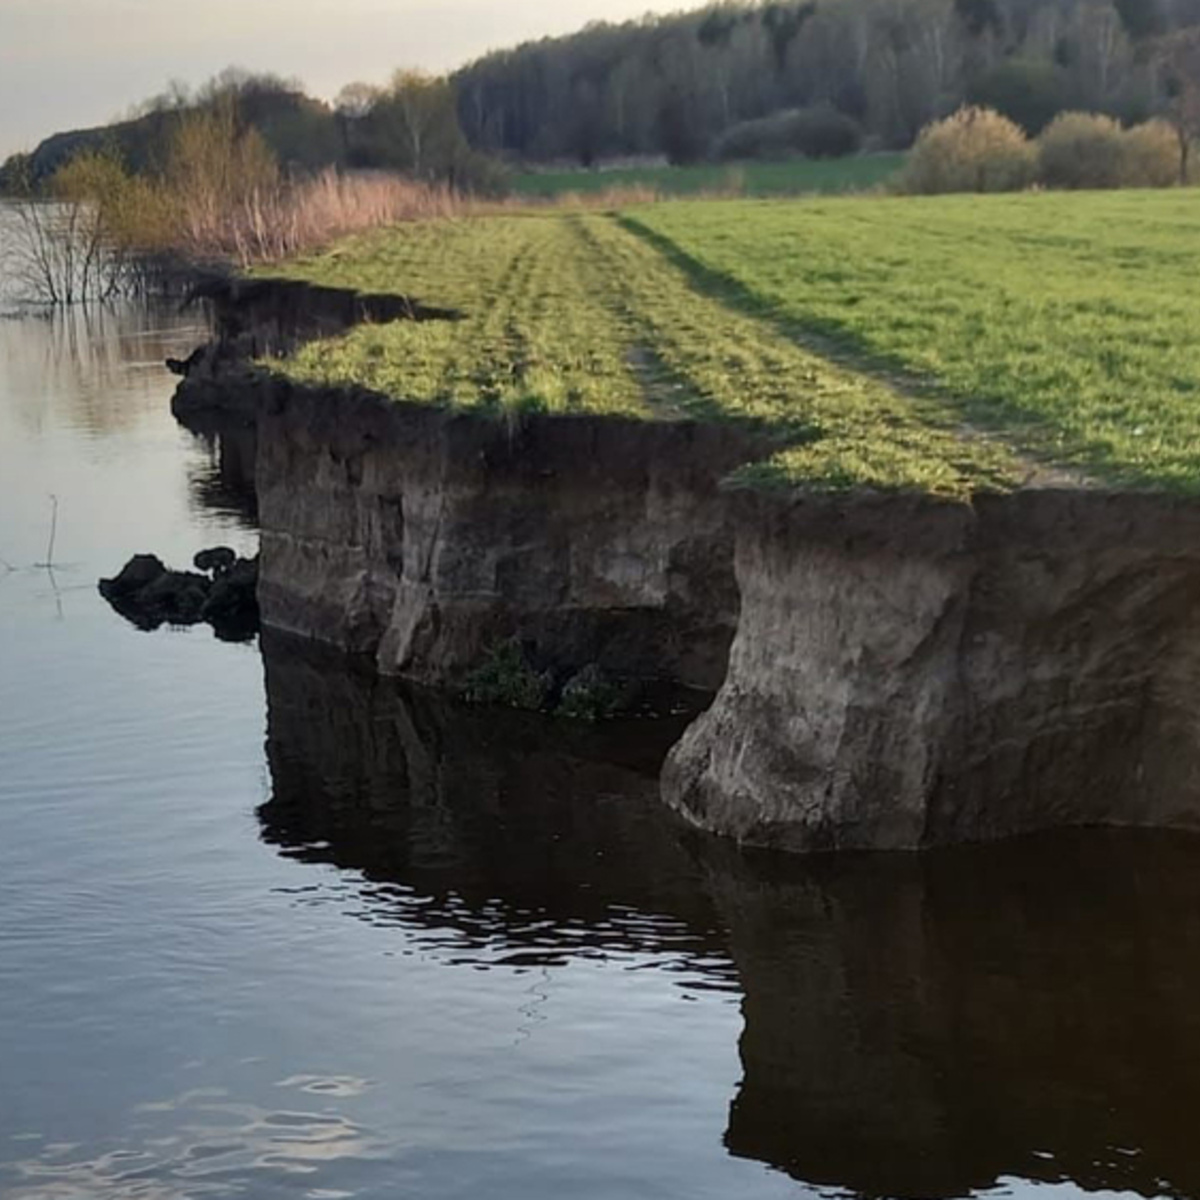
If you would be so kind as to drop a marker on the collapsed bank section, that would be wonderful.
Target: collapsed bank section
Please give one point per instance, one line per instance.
(611, 458)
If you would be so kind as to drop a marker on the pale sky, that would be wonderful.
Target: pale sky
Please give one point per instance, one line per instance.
(68, 64)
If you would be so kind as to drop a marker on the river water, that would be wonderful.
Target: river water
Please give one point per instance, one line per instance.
(272, 927)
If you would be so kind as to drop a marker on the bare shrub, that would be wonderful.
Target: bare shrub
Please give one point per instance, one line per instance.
(975, 150)
(1151, 155)
(1082, 150)
(39, 257)
(56, 253)
(215, 168)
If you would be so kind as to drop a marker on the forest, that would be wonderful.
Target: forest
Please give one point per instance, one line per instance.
(730, 81)
(677, 86)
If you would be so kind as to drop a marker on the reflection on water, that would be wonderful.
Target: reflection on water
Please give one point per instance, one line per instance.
(931, 1026)
(94, 359)
(225, 483)
(203, 1143)
(914, 1025)
(491, 834)
(414, 950)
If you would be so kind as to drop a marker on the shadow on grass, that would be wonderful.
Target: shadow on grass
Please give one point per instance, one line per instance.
(967, 416)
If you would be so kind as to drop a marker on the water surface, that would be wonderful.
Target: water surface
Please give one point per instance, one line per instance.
(270, 926)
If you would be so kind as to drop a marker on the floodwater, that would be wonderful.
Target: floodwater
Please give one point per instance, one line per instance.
(272, 927)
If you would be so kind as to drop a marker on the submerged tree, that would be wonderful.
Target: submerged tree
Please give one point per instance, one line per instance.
(60, 247)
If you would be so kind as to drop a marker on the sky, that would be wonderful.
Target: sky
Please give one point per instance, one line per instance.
(67, 64)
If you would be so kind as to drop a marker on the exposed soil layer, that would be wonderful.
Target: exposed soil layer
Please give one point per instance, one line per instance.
(279, 314)
(908, 673)
(905, 671)
(426, 538)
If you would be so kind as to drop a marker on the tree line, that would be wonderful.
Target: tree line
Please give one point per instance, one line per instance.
(678, 85)
(409, 126)
(765, 78)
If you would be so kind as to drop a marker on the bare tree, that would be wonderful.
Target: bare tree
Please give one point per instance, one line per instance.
(1179, 63)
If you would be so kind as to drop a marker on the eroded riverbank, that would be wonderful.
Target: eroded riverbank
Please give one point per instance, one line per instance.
(889, 671)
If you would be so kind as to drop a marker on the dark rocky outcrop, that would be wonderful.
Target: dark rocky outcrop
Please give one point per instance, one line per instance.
(217, 562)
(150, 595)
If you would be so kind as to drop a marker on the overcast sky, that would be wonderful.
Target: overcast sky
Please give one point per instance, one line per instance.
(70, 63)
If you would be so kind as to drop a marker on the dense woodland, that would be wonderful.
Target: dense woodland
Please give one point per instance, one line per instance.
(822, 77)
(674, 86)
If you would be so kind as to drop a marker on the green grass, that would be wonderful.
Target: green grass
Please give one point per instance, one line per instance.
(542, 331)
(575, 313)
(1065, 321)
(918, 344)
(796, 177)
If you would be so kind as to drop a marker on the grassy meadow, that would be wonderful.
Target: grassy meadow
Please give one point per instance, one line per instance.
(1065, 321)
(796, 177)
(939, 345)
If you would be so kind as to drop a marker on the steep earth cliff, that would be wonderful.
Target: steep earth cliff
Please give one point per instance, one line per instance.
(905, 671)
(428, 538)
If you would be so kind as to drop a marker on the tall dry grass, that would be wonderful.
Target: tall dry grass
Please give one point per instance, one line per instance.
(221, 196)
(271, 223)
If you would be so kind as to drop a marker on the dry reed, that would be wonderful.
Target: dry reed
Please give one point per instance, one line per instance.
(273, 223)
(276, 222)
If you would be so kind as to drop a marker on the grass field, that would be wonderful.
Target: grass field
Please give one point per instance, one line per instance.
(1066, 321)
(800, 176)
(926, 345)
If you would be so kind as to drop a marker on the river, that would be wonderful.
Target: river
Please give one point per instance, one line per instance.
(272, 927)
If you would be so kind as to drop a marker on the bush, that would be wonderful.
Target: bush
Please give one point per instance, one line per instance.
(1089, 150)
(16, 175)
(975, 150)
(1152, 155)
(589, 696)
(819, 132)
(506, 678)
(134, 214)
(1082, 150)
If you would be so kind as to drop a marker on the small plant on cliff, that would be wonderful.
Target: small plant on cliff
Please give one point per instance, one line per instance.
(506, 678)
(589, 696)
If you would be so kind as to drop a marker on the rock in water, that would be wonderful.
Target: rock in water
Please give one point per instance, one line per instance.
(149, 595)
(232, 604)
(139, 572)
(216, 561)
(176, 596)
